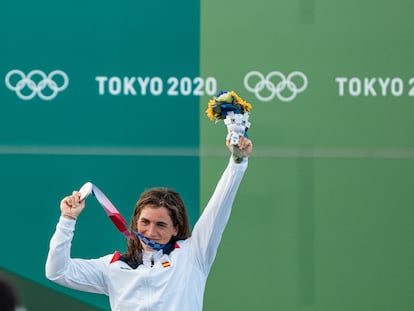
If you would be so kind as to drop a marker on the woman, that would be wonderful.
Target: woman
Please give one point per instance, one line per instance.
(164, 267)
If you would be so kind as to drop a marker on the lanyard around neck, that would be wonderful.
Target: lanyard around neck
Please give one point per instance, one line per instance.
(120, 223)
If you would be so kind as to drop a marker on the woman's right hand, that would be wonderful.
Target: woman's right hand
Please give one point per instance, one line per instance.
(71, 206)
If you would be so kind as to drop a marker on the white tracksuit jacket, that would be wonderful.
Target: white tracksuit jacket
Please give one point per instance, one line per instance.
(175, 282)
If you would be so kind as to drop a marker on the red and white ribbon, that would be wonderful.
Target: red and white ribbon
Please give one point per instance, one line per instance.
(115, 216)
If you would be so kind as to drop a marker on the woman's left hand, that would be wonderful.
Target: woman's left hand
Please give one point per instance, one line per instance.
(245, 145)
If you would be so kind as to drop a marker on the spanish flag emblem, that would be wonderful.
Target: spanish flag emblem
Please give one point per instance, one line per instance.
(166, 264)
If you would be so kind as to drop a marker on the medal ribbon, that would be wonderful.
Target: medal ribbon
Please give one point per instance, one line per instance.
(115, 216)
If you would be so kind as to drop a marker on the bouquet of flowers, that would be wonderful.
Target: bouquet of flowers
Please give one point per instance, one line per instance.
(228, 106)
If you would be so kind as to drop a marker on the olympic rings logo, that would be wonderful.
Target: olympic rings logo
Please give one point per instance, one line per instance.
(36, 83)
(275, 84)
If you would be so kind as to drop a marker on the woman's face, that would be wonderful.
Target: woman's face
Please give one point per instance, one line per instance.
(156, 224)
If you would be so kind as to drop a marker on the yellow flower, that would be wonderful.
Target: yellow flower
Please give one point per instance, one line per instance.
(214, 105)
(209, 110)
(238, 99)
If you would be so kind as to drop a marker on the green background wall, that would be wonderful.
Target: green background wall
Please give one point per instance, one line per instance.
(323, 217)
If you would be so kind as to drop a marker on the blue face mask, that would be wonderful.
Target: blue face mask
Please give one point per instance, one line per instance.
(152, 244)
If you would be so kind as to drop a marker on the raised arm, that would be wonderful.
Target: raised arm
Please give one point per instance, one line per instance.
(209, 228)
(87, 275)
